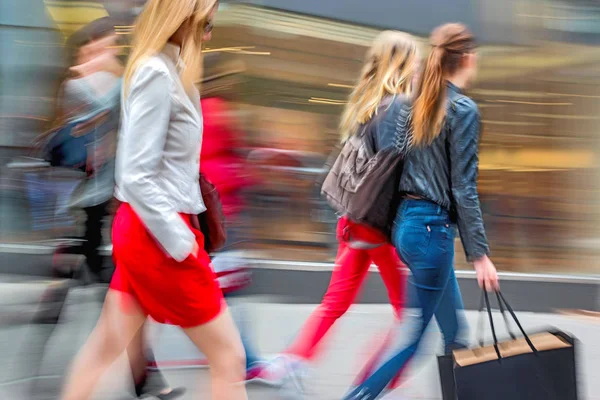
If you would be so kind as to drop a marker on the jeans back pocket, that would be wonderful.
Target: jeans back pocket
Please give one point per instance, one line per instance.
(412, 240)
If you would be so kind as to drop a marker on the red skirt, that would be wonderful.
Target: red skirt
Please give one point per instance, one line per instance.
(185, 293)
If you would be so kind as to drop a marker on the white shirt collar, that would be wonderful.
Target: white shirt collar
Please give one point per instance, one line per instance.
(172, 51)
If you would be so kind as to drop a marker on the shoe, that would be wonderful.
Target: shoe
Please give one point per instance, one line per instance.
(360, 393)
(262, 372)
(281, 370)
(173, 394)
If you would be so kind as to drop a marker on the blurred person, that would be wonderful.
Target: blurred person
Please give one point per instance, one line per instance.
(385, 84)
(224, 165)
(92, 96)
(439, 188)
(162, 271)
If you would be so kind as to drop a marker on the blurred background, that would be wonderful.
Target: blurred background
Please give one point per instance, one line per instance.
(538, 90)
(277, 76)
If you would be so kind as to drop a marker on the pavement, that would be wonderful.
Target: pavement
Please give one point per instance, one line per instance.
(24, 349)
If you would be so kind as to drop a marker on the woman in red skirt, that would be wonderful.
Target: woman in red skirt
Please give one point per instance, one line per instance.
(162, 270)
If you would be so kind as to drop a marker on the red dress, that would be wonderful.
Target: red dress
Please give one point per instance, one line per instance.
(185, 293)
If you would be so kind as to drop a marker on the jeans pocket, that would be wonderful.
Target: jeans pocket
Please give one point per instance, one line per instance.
(413, 240)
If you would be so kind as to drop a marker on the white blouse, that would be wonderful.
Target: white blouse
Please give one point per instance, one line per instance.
(158, 155)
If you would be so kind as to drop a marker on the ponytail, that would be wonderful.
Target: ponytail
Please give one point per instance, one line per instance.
(450, 43)
(428, 112)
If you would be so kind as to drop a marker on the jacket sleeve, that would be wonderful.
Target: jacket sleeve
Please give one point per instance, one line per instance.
(142, 143)
(392, 126)
(463, 146)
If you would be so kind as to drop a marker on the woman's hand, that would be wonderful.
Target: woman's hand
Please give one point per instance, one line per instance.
(487, 276)
(195, 250)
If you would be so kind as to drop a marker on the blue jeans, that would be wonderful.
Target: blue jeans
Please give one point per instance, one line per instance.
(252, 356)
(424, 238)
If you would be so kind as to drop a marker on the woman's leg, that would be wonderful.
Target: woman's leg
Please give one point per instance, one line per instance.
(220, 342)
(93, 240)
(451, 319)
(240, 318)
(429, 253)
(393, 275)
(351, 267)
(117, 326)
(140, 356)
(450, 316)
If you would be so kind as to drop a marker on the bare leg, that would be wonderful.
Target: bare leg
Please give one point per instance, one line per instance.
(136, 356)
(140, 354)
(115, 329)
(220, 341)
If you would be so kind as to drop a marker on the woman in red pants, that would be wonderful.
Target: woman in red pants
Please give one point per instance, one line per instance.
(386, 80)
(162, 270)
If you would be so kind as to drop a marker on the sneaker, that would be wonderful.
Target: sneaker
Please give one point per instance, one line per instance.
(172, 395)
(259, 372)
(283, 370)
(358, 393)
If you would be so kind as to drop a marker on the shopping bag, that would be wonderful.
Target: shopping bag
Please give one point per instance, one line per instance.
(541, 366)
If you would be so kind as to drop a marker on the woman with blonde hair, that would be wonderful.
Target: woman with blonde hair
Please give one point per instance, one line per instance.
(162, 271)
(385, 84)
(439, 190)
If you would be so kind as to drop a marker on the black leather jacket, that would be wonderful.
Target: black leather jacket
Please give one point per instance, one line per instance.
(446, 171)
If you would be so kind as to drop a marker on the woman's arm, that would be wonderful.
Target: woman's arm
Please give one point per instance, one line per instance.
(464, 163)
(142, 144)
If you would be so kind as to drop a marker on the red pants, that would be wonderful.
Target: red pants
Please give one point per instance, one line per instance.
(352, 265)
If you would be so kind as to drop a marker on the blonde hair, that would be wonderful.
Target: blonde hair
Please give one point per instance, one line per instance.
(388, 70)
(158, 22)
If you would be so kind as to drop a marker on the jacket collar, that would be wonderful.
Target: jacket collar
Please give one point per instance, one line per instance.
(451, 86)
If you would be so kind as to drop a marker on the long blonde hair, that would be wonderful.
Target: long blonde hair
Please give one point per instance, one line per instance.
(388, 70)
(449, 42)
(158, 22)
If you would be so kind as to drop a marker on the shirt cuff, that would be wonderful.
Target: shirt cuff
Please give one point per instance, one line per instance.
(180, 245)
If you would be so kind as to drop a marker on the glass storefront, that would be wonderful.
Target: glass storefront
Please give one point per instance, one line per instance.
(539, 152)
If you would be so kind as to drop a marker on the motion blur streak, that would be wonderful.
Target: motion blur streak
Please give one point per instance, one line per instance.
(285, 69)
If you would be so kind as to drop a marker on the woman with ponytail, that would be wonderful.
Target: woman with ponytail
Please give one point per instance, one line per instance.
(162, 270)
(384, 87)
(439, 190)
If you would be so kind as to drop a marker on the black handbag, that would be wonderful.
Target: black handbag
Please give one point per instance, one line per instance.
(534, 367)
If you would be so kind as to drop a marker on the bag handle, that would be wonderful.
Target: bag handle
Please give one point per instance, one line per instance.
(489, 312)
(504, 316)
(502, 303)
(514, 316)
